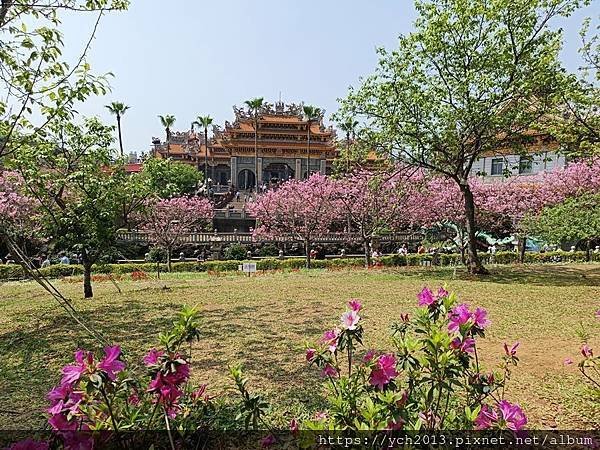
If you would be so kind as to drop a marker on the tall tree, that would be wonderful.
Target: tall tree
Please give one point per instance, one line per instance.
(311, 114)
(205, 122)
(166, 221)
(167, 122)
(349, 127)
(300, 208)
(166, 178)
(118, 109)
(374, 204)
(471, 79)
(575, 219)
(70, 174)
(255, 105)
(37, 84)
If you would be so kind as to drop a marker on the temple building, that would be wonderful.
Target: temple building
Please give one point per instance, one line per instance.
(287, 146)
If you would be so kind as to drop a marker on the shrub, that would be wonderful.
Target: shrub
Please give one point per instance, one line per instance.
(430, 380)
(268, 250)
(236, 252)
(157, 254)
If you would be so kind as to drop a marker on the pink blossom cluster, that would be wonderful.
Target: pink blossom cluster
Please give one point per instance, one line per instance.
(350, 319)
(65, 399)
(384, 371)
(504, 416)
(166, 220)
(169, 374)
(299, 207)
(16, 209)
(427, 298)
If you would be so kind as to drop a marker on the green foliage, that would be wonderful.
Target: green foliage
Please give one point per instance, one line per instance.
(253, 407)
(168, 179)
(157, 254)
(235, 251)
(575, 219)
(186, 329)
(268, 250)
(40, 85)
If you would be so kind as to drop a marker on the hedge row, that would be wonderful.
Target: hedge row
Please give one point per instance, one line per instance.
(12, 271)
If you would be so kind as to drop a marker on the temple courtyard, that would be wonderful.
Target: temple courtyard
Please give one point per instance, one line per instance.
(265, 322)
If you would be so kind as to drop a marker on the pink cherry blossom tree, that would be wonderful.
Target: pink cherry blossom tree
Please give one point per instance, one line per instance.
(18, 218)
(167, 220)
(302, 209)
(374, 204)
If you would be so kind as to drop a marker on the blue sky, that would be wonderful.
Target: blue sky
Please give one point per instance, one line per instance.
(191, 57)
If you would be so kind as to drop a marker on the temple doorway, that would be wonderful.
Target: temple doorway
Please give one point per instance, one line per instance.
(246, 179)
(276, 172)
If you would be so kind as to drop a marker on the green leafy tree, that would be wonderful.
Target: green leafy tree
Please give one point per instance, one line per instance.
(311, 114)
(118, 109)
(576, 123)
(255, 105)
(167, 178)
(78, 189)
(38, 85)
(472, 78)
(167, 122)
(577, 219)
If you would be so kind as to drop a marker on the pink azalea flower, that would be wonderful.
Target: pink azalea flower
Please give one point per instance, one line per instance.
(568, 361)
(513, 350)
(72, 373)
(486, 418)
(133, 399)
(60, 392)
(320, 415)
(61, 423)
(310, 354)
(111, 364)
(267, 441)
(152, 357)
(395, 424)
(384, 372)
(355, 305)
(513, 415)
(29, 444)
(350, 319)
(200, 392)
(597, 314)
(369, 356)
(480, 318)
(586, 351)
(294, 426)
(458, 316)
(426, 297)
(330, 338)
(442, 293)
(329, 371)
(466, 346)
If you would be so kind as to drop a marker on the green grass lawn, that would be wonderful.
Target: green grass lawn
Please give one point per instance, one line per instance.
(264, 322)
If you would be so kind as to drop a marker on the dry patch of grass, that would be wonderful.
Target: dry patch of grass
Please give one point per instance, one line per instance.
(264, 322)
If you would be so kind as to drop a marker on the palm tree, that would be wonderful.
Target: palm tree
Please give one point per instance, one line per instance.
(167, 121)
(348, 126)
(311, 114)
(118, 109)
(255, 104)
(204, 122)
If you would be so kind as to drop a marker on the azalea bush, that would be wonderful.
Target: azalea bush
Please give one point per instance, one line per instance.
(432, 379)
(589, 365)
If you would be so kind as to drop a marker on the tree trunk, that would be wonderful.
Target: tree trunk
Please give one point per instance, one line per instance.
(367, 249)
(307, 250)
(588, 250)
(474, 265)
(169, 260)
(522, 245)
(87, 275)
(120, 138)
